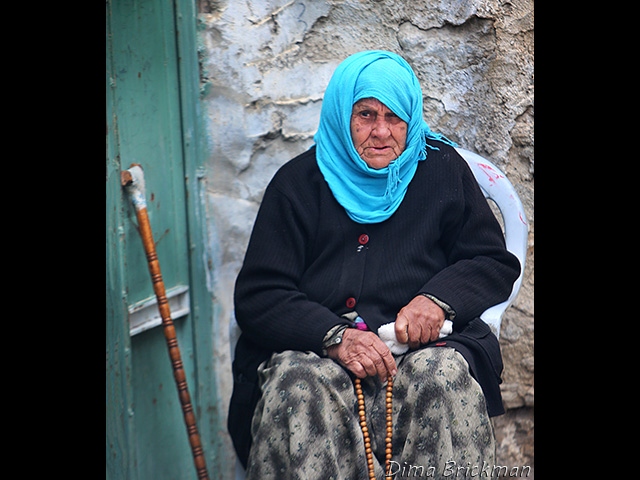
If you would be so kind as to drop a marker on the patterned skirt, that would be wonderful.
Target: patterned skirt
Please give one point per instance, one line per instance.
(306, 425)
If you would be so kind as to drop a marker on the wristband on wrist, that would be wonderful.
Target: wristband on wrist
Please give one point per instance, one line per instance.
(333, 337)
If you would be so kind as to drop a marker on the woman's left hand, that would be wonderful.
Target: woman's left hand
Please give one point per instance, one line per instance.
(419, 322)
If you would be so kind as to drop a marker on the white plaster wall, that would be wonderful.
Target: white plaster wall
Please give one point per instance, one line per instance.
(264, 67)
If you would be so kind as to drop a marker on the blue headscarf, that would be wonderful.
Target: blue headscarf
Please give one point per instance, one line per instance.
(369, 195)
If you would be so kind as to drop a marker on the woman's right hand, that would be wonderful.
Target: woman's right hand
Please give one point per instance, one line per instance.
(363, 354)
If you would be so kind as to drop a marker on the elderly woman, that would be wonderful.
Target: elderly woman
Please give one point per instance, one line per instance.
(380, 221)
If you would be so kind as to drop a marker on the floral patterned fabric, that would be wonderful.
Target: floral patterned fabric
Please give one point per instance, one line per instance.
(306, 424)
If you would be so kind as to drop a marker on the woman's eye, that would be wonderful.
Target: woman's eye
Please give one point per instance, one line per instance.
(393, 118)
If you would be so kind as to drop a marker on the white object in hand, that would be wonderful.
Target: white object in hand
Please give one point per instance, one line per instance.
(387, 334)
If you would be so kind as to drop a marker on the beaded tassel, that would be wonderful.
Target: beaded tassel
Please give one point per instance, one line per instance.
(365, 429)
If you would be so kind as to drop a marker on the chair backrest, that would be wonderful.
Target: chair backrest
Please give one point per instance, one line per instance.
(496, 186)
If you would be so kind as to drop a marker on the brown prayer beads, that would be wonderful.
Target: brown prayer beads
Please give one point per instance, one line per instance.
(365, 429)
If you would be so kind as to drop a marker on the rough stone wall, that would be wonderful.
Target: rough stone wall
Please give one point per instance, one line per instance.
(264, 67)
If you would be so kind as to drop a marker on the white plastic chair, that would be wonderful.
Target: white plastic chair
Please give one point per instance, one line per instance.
(496, 187)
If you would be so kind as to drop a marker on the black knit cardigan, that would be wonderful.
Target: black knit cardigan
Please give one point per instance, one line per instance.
(307, 263)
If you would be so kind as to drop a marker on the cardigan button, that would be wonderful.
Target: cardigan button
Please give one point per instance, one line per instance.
(351, 302)
(363, 239)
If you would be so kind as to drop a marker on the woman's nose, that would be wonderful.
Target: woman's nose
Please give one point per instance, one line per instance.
(381, 127)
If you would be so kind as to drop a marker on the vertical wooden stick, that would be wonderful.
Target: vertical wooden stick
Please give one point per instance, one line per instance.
(133, 180)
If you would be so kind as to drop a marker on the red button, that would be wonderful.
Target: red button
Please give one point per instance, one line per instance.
(351, 302)
(363, 239)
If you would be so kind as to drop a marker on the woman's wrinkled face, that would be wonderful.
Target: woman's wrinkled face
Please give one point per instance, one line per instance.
(378, 134)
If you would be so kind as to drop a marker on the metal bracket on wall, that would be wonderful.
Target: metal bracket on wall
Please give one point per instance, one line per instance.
(144, 315)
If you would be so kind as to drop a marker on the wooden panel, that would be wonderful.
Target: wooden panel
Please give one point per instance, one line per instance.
(150, 133)
(120, 452)
(146, 434)
(162, 445)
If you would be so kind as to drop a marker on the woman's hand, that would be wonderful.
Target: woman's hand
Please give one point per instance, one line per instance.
(363, 354)
(419, 322)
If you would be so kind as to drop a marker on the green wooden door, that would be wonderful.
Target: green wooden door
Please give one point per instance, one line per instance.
(149, 123)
